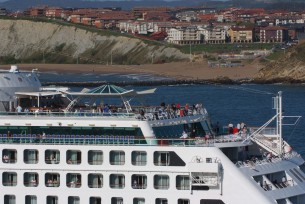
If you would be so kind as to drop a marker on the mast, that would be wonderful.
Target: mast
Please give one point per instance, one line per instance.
(279, 121)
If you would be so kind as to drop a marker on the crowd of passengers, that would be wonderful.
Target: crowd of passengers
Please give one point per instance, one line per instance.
(173, 110)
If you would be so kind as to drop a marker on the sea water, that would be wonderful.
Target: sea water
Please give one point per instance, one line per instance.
(251, 104)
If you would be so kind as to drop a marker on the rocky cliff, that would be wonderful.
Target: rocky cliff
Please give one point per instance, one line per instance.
(290, 67)
(29, 42)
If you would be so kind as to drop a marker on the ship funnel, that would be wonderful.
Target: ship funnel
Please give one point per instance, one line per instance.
(14, 69)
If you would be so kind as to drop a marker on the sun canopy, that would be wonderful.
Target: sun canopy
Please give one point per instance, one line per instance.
(110, 91)
(40, 93)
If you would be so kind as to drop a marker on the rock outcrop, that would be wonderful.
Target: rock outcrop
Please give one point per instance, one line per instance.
(29, 41)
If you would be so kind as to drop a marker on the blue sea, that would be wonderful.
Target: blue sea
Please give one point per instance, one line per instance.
(251, 103)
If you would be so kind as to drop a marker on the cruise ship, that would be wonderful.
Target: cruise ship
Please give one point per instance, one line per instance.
(57, 150)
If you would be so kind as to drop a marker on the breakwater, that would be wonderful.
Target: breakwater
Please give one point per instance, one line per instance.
(223, 81)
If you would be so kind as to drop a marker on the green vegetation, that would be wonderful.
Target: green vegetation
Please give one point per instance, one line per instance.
(276, 55)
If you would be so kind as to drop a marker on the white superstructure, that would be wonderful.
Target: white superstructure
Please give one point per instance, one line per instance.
(115, 155)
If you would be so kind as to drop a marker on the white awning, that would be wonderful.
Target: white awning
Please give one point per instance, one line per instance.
(40, 93)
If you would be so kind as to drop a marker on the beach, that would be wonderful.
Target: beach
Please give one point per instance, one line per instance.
(176, 70)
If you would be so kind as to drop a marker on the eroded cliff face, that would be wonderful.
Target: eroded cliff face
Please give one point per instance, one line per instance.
(30, 41)
(288, 68)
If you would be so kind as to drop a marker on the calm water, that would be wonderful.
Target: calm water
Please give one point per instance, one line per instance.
(224, 103)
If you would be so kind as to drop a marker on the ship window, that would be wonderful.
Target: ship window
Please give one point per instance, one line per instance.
(211, 201)
(74, 157)
(161, 158)
(19, 79)
(139, 181)
(52, 200)
(95, 180)
(7, 78)
(30, 199)
(161, 182)
(116, 200)
(95, 157)
(74, 180)
(9, 179)
(52, 180)
(183, 201)
(9, 199)
(139, 158)
(73, 200)
(52, 156)
(30, 179)
(95, 200)
(161, 201)
(9, 156)
(139, 201)
(30, 156)
(117, 157)
(182, 182)
(117, 181)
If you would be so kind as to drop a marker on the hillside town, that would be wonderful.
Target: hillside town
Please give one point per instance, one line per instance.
(184, 25)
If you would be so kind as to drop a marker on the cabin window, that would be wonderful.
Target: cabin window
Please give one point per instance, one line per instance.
(139, 158)
(9, 179)
(117, 181)
(116, 200)
(182, 182)
(74, 180)
(183, 201)
(95, 157)
(52, 180)
(161, 158)
(95, 200)
(161, 182)
(30, 199)
(9, 199)
(52, 156)
(52, 200)
(30, 156)
(95, 180)
(139, 181)
(30, 179)
(117, 157)
(73, 200)
(161, 201)
(139, 201)
(74, 157)
(9, 156)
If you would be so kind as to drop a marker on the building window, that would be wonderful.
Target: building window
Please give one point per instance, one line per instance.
(74, 157)
(30, 199)
(9, 199)
(95, 157)
(117, 181)
(182, 182)
(95, 200)
(9, 156)
(139, 181)
(30, 156)
(74, 180)
(161, 201)
(52, 156)
(52, 200)
(9, 179)
(73, 200)
(183, 201)
(161, 181)
(139, 158)
(30, 179)
(117, 157)
(95, 180)
(52, 180)
(139, 201)
(116, 200)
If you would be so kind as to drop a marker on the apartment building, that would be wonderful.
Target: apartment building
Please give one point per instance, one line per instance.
(241, 34)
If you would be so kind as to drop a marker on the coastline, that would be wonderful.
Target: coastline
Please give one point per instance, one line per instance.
(177, 70)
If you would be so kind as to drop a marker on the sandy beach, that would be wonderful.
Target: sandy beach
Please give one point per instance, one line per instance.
(181, 70)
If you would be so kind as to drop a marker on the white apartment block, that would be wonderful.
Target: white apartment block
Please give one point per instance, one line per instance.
(182, 36)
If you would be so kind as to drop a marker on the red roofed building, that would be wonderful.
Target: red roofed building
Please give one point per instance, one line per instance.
(241, 34)
(53, 12)
(273, 34)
